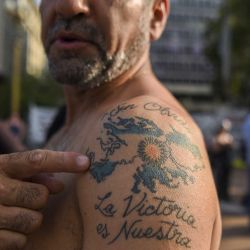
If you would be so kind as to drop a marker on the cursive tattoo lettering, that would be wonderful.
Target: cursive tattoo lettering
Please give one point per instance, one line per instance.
(166, 111)
(161, 207)
(167, 215)
(107, 210)
(102, 230)
(166, 231)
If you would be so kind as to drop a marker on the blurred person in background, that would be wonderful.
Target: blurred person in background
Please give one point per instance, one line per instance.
(222, 150)
(12, 134)
(13, 130)
(246, 141)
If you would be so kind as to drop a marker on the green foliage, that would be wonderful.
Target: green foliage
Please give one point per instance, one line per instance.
(44, 92)
(240, 25)
(212, 51)
(237, 13)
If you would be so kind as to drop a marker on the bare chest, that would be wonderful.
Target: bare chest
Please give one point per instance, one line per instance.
(62, 225)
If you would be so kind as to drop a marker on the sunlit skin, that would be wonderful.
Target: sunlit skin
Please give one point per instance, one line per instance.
(153, 152)
(99, 51)
(94, 51)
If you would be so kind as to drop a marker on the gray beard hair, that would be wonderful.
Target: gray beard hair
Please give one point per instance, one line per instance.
(71, 69)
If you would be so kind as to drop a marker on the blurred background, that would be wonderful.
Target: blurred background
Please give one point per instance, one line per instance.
(203, 58)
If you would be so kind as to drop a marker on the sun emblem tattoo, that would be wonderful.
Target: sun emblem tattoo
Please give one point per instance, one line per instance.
(158, 164)
(153, 151)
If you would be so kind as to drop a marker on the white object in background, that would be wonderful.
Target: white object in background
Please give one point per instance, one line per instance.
(40, 119)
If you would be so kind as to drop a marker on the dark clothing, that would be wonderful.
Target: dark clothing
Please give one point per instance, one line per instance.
(6, 146)
(222, 169)
(57, 123)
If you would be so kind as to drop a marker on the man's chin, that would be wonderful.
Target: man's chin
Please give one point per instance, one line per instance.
(66, 80)
(81, 82)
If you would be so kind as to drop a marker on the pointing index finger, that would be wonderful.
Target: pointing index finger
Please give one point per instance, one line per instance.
(26, 164)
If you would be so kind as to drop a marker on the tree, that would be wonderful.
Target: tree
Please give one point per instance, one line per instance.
(44, 92)
(237, 14)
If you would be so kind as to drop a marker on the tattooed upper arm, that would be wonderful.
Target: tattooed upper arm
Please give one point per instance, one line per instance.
(149, 177)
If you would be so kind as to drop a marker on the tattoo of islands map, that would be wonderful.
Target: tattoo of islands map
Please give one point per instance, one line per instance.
(154, 149)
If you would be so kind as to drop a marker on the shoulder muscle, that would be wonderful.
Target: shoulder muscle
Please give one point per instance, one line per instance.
(150, 181)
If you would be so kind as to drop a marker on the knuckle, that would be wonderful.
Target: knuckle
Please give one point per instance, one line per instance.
(21, 223)
(14, 156)
(37, 157)
(34, 195)
(26, 195)
(9, 162)
(26, 222)
(9, 159)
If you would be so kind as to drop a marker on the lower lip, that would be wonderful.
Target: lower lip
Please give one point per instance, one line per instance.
(71, 45)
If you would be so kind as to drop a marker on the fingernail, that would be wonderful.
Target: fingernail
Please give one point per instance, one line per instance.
(82, 161)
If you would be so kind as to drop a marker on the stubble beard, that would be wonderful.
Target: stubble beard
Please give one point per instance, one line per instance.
(72, 69)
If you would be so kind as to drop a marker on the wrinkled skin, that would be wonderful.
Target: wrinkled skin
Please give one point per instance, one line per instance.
(23, 192)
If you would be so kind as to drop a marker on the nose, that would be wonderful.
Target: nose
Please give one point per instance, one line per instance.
(70, 8)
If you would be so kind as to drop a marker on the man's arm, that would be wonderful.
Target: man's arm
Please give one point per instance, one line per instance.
(150, 184)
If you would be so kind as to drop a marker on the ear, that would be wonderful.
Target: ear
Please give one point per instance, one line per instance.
(160, 12)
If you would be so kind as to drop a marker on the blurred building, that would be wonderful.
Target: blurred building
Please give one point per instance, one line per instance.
(1, 39)
(178, 58)
(20, 44)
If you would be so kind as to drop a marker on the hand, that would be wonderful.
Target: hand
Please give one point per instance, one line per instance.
(25, 184)
(10, 143)
(16, 126)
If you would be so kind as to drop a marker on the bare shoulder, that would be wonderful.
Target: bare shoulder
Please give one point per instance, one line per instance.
(150, 183)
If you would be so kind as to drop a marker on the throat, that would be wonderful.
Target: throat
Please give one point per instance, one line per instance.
(90, 102)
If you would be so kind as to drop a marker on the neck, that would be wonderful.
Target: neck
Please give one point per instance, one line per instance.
(81, 101)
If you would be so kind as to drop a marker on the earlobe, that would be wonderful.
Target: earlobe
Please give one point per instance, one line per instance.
(160, 11)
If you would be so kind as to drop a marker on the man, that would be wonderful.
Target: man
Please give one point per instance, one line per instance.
(223, 143)
(149, 185)
(246, 141)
